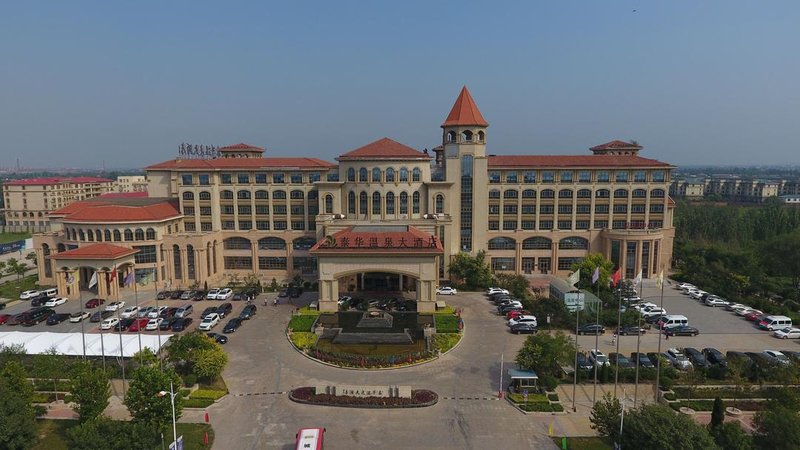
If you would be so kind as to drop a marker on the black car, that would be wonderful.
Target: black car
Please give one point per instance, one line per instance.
(682, 330)
(232, 325)
(220, 338)
(169, 312)
(744, 358)
(642, 360)
(762, 360)
(715, 356)
(503, 310)
(283, 293)
(696, 357)
(224, 309)
(619, 358)
(653, 319)
(295, 292)
(39, 300)
(793, 355)
(248, 312)
(584, 363)
(176, 295)
(181, 324)
(524, 327)
(98, 316)
(56, 319)
(592, 328)
(33, 316)
(631, 330)
(238, 296)
(200, 295)
(163, 295)
(207, 311)
(167, 323)
(123, 324)
(654, 358)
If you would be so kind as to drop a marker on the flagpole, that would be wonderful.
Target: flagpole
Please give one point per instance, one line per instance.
(158, 328)
(596, 343)
(619, 325)
(658, 359)
(638, 343)
(575, 375)
(136, 300)
(121, 355)
(80, 301)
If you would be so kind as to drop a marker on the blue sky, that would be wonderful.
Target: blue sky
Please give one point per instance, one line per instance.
(713, 82)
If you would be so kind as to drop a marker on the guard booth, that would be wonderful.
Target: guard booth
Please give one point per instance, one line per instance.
(522, 380)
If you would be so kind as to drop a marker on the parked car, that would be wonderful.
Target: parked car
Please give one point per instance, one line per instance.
(27, 295)
(224, 309)
(740, 356)
(642, 360)
(182, 324)
(225, 294)
(123, 324)
(232, 325)
(4, 317)
(496, 290)
(163, 295)
(78, 316)
(283, 293)
(734, 306)
(793, 355)
(516, 313)
(34, 316)
(655, 357)
(787, 333)
(643, 306)
(754, 316)
(176, 295)
(143, 312)
(167, 323)
(598, 358)
(212, 294)
(583, 362)
(591, 328)
(156, 312)
(654, 319)
(446, 290)
(130, 311)
(678, 359)
(619, 358)
(654, 312)
(522, 319)
(138, 325)
(39, 300)
(220, 338)
(113, 306)
(238, 296)
(209, 322)
(685, 286)
(696, 357)
(778, 356)
(248, 312)
(99, 316)
(630, 330)
(523, 327)
(762, 361)
(715, 301)
(295, 291)
(94, 303)
(169, 312)
(187, 295)
(109, 323)
(745, 311)
(682, 330)
(715, 356)
(153, 324)
(54, 319)
(199, 295)
(505, 309)
(207, 311)
(55, 301)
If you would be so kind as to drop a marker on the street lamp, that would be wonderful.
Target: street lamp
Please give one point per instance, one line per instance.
(172, 396)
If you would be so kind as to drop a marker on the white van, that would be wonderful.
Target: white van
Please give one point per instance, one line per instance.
(672, 320)
(52, 292)
(184, 311)
(774, 323)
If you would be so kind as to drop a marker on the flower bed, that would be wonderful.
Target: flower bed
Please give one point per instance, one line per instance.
(721, 392)
(445, 341)
(446, 323)
(302, 323)
(303, 340)
(208, 394)
(532, 398)
(540, 407)
(419, 398)
(370, 361)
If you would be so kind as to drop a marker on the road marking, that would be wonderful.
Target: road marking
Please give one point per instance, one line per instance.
(247, 394)
(469, 398)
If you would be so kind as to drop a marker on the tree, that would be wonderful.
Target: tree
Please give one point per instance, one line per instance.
(90, 390)
(144, 402)
(777, 427)
(544, 352)
(730, 436)
(52, 365)
(31, 257)
(606, 415)
(717, 414)
(517, 285)
(18, 424)
(694, 378)
(656, 427)
(146, 357)
(587, 267)
(209, 363)
(473, 272)
(183, 347)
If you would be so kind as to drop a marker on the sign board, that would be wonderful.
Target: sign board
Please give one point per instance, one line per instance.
(364, 391)
(177, 445)
(12, 247)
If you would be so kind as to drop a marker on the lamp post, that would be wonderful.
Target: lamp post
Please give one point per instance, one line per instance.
(172, 403)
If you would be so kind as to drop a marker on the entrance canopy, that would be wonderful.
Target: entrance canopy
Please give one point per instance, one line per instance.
(71, 344)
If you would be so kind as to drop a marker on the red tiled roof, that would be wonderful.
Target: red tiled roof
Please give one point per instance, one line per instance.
(241, 146)
(364, 239)
(57, 180)
(384, 148)
(138, 194)
(96, 251)
(242, 163)
(465, 112)
(615, 145)
(573, 161)
(105, 210)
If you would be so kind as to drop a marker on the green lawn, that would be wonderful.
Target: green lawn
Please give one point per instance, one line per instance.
(11, 237)
(585, 443)
(51, 435)
(11, 289)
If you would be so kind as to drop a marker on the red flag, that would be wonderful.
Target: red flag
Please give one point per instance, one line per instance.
(113, 274)
(205, 438)
(617, 276)
(206, 416)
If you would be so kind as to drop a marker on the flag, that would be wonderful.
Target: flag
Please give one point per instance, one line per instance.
(113, 274)
(70, 279)
(129, 279)
(596, 275)
(617, 276)
(575, 277)
(660, 279)
(93, 280)
(638, 278)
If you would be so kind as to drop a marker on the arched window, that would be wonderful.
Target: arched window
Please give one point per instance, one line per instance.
(48, 263)
(639, 193)
(236, 243)
(416, 174)
(451, 136)
(510, 193)
(204, 195)
(602, 193)
(502, 243)
(81, 235)
(328, 204)
(362, 203)
(362, 174)
(151, 234)
(537, 243)
(376, 203)
(226, 195)
(389, 203)
(61, 248)
(139, 234)
(351, 203)
(128, 235)
(89, 235)
(107, 235)
(303, 243)
(243, 195)
(584, 193)
(481, 136)
(494, 193)
(390, 175)
(657, 193)
(117, 236)
(403, 174)
(529, 193)
(466, 135)
(190, 269)
(279, 195)
(188, 196)
(573, 243)
(565, 193)
(547, 193)
(351, 174)
(271, 243)
(376, 174)
(403, 203)
(262, 195)
(98, 235)
(439, 204)
(415, 203)
(621, 193)
(176, 262)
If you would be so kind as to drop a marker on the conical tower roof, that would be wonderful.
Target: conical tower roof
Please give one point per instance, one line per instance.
(465, 112)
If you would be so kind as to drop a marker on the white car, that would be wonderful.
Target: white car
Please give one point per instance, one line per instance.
(143, 312)
(109, 323)
(56, 301)
(212, 294)
(653, 312)
(715, 301)
(745, 311)
(153, 324)
(78, 316)
(686, 286)
(113, 306)
(522, 319)
(224, 294)
(209, 322)
(733, 306)
(642, 306)
(496, 290)
(697, 294)
(156, 312)
(738, 307)
(778, 356)
(344, 299)
(447, 290)
(25, 295)
(129, 312)
(787, 333)
(678, 359)
(598, 358)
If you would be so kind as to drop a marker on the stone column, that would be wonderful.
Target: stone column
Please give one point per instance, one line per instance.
(400, 283)
(102, 287)
(61, 283)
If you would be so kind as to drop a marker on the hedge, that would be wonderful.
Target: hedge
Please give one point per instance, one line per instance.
(303, 339)
(683, 392)
(446, 323)
(197, 402)
(445, 341)
(39, 397)
(708, 405)
(539, 407)
(532, 398)
(302, 323)
(207, 394)
(552, 397)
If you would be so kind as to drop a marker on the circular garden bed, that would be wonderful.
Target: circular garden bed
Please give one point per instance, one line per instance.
(419, 398)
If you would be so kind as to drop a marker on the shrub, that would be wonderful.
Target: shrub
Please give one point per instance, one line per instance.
(302, 323)
(670, 396)
(552, 397)
(446, 323)
(445, 341)
(537, 407)
(209, 394)
(184, 392)
(548, 382)
(666, 383)
(190, 380)
(303, 340)
(197, 402)
(39, 397)
(418, 397)
(532, 398)
(557, 407)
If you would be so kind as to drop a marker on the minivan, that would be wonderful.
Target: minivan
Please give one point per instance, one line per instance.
(36, 315)
(184, 311)
(771, 323)
(672, 320)
(52, 292)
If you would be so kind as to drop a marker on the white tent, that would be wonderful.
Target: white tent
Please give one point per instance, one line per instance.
(72, 344)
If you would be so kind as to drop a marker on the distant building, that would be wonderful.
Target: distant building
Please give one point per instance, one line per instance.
(28, 202)
(790, 199)
(731, 188)
(131, 183)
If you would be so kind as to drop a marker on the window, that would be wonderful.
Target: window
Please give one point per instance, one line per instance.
(329, 204)
(237, 243)
(510, 193)
(313, 194)
(622, 177)
(416, 174)
(509, 209)
(188, 210)
(567, 263)
(228, 225)
(494, 225)
(243, 178)
(566, 176)
(511, 177)
(620, 209)
(528, 224)
(277, 178)
(415, 203)
(279, 195)
(351, 174)
(205, 179)
(139, 234)
(226, 209)
(509, 225)
(573, 243)
(226, 195)
(303, 243)
(637, 208)
(546, 225)
(262, 225)
(545, 209)
(262, 195)
(245, 210)
(503, 264)
(639, 193)
(639, 176)
(313, 177)
(565, 193)
(307, 265)
(619, 224)
(297, 195)
(537, 243)
(117, 237)
(298, 210)
(548, 176)
(601, 224)
(243, 195)
(176, 262)
(189, 226)
(150, 234)
(205, 226)
(502, 243)
(602, 193)
(186, 179)
(188, 196)
(390, 175)
(584, 193)
(298, 225)
(583, 209)
(602, 176)
(657, 193)
(271, 263)
(389, 203)
(565, 209)
(89, 235)
(351, 203)
(296, 178)
(403, 174)
(238, 262)
(656, 208)
(262, 210)
(564, 224)
(107, 235)
(225, 178)
(271, 243)
(494, 193)
(658, 176)
(529, 193)
(362, 174)
(528, 209)
(362, 203)
(547, 193)
(204, 195)
(261, 178)
(656, 224)
(494, 209)
(584, 176)
(581, 224)
(621, 193)
(376, 203)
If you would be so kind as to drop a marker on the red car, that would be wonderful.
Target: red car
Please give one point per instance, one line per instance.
(94, 303)
(516, 313)
(4, 318)
(138, 324)
(753, 316)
